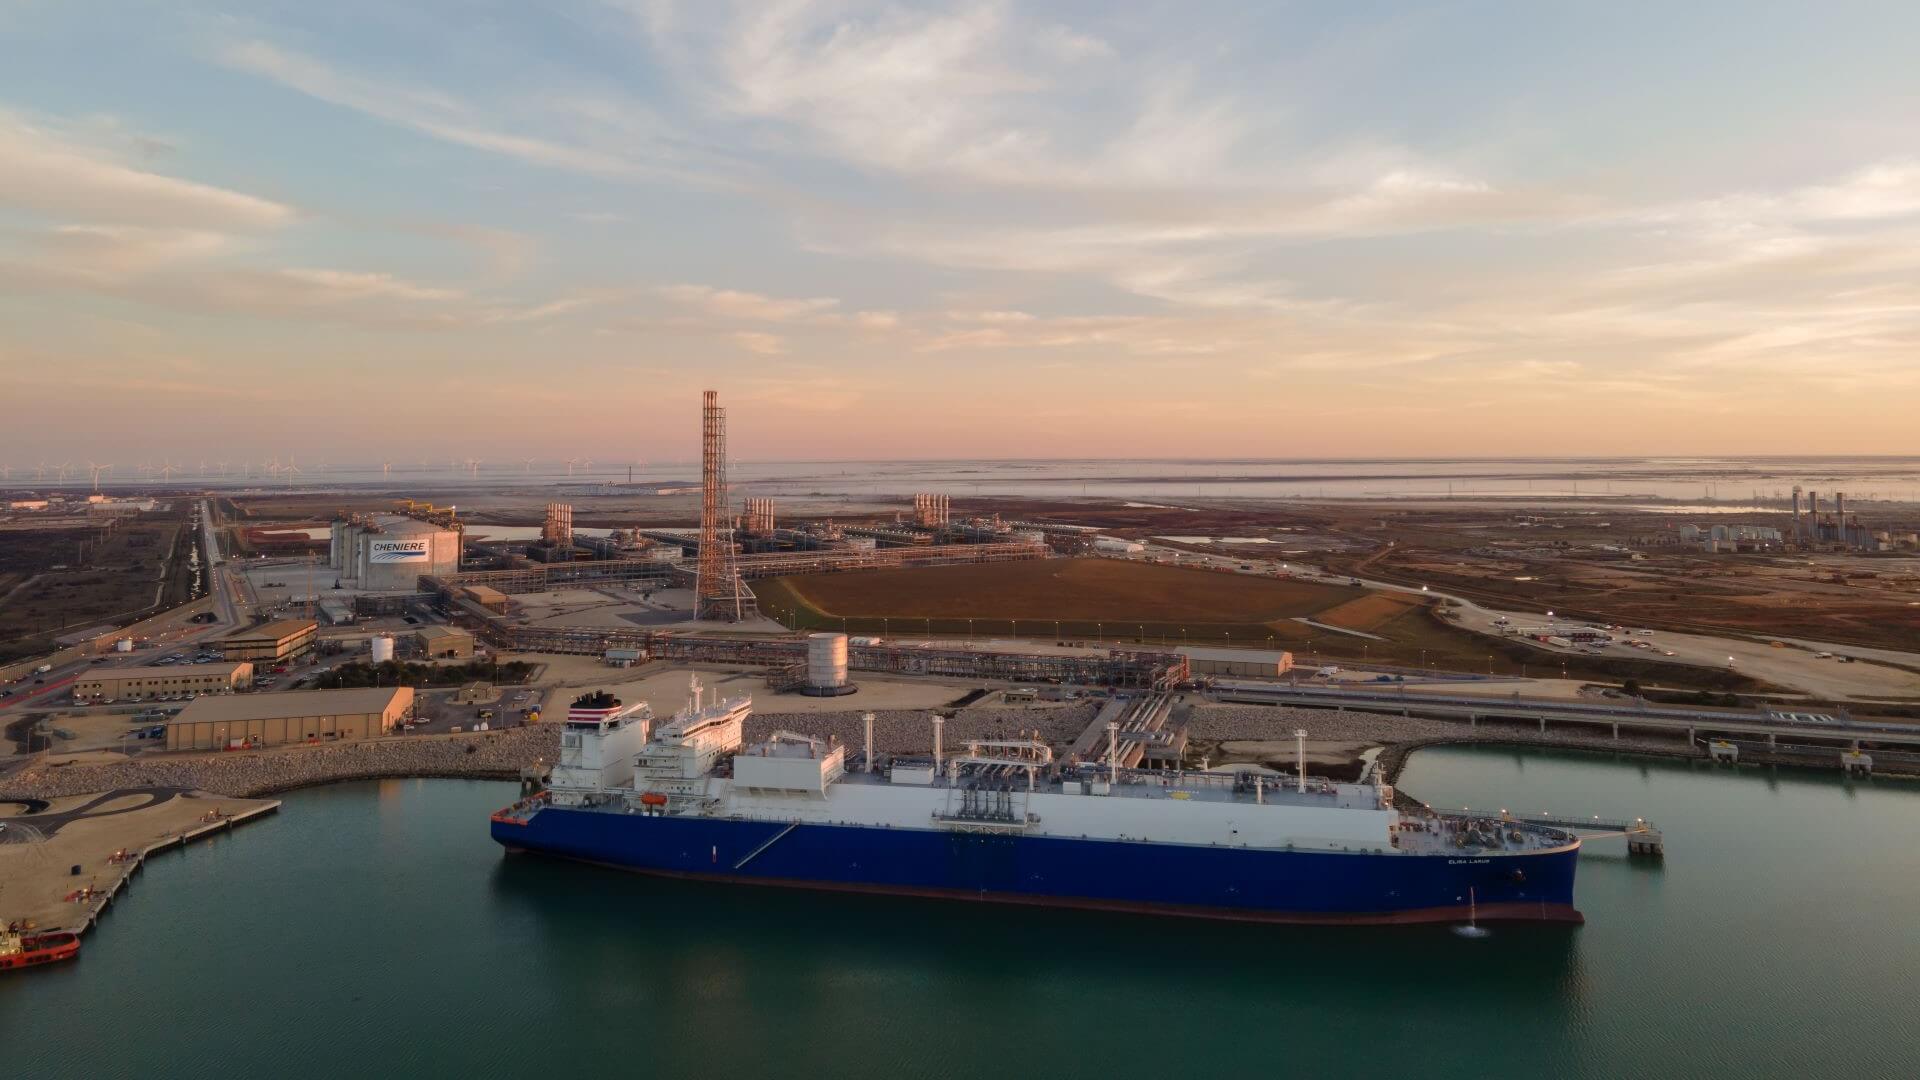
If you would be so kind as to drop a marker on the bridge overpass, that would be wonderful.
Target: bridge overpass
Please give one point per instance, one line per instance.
(1691, 722)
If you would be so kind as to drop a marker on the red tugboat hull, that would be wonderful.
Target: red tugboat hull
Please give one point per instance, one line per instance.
(39, 949)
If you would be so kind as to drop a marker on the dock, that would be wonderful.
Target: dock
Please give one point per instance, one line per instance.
(1641, 835)
(95, 899)
(1140, 725)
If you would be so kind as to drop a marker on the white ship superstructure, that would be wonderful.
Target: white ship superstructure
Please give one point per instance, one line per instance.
(1003, 820)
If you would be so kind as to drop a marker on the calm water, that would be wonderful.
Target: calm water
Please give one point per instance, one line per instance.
(373, 929)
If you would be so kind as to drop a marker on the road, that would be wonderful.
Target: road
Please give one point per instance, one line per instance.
(1792, 667)
(168, 632)
(1638, 714)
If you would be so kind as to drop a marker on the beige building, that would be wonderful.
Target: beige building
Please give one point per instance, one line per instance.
(218, 723)
(274, 642)
(172, 681)
(444, 642)
(1247, 663)
(492, 599)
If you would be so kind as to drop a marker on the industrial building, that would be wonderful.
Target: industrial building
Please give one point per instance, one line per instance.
(390, 552)
(220, 723)
(171, 681)
(1837, 530)
(273, 642)
(444, 642)
(492, 599)
(1248, 663)
(336, 612)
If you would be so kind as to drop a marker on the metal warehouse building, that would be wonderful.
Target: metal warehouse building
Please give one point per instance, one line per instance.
(389, 552)
(1255, 663)
(271, 642)
(217, 723)
(144, 683)
(444, 642)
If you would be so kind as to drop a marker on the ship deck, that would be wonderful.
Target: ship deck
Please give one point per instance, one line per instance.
(1423, 832)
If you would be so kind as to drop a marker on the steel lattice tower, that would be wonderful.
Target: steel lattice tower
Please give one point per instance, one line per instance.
(717, 586)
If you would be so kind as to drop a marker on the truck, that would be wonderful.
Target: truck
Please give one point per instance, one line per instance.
(43, 669)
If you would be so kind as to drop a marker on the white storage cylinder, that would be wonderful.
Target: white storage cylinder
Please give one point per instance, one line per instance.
(826, 660)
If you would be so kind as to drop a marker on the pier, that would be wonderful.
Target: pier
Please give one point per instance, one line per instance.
(67, 879)
(133, 862)
(1641, 835)
(1141, 726)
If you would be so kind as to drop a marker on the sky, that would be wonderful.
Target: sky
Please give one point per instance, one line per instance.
(1199, 229)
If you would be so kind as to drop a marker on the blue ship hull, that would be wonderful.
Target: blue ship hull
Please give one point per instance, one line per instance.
(1235, 883)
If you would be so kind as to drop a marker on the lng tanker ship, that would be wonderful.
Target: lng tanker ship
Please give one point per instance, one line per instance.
(1001, 820)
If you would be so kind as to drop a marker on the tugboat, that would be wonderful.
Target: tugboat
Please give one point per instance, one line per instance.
(23, 949)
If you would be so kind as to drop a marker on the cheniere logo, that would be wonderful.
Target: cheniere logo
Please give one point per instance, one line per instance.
(385, 551)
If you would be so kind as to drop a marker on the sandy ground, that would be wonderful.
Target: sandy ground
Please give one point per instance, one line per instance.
(96, 731)
(618, 608)
(664, 686)
(87, 757)
(1282, 755)
(36, 871)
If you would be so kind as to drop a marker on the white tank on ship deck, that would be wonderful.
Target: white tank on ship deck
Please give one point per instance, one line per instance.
(826, 660)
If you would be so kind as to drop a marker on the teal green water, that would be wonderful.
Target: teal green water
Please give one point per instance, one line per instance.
(373, 929)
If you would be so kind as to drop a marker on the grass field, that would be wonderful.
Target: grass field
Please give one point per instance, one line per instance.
(1083, 597)
(123, 573)
(1368, 613)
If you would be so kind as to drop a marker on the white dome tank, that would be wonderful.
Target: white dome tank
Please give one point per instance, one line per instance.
(382, 649)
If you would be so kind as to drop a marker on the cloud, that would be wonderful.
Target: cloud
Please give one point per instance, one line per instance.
(626, 150)
(756, 342)
(733, 304)
(42, 171)
(111, 251)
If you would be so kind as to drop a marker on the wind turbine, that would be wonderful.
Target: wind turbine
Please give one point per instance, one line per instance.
(386, 469)
(167, 469)
(40, 471)
(6, 472)
(61, 470)
(473, 468)
(526, 465)
(222, 466)
(96, 470)
(571, 462)
(291, 470)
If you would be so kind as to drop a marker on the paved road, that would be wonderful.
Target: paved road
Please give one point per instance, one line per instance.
(1791, 667)
(49, 823)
